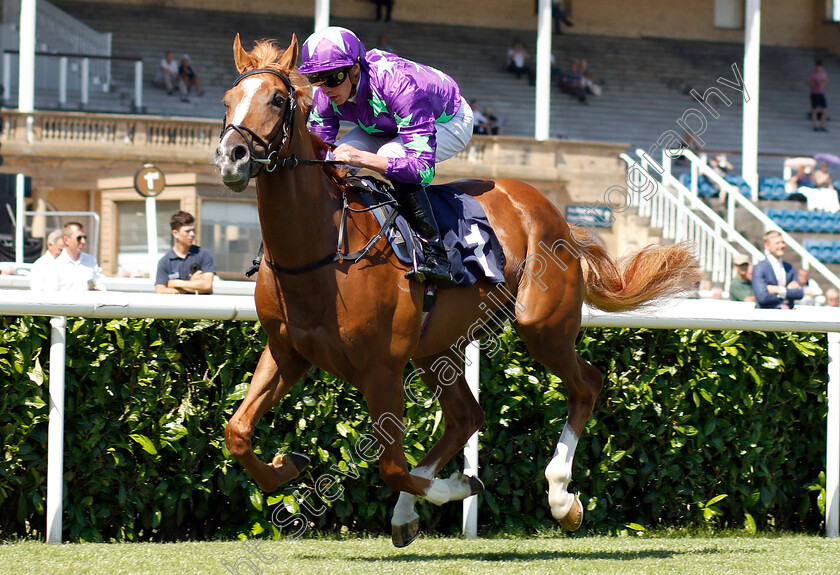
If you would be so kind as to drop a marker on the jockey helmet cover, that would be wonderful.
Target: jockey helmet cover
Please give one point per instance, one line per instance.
(329, 49)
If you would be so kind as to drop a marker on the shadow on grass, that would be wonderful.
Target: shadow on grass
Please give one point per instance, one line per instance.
(537, 556)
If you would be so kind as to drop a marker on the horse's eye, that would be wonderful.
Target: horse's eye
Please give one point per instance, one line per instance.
(278, 100)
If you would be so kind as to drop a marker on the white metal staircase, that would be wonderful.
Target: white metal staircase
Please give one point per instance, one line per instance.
(682, 215)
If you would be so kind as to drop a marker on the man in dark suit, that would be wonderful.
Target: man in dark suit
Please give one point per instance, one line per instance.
(774, 280)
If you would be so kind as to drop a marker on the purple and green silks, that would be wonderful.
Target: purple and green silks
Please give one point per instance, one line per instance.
(395, 98)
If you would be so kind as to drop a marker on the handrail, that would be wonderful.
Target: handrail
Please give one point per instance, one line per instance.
(734, 197)
(697, 205)
(77, 55)
(680, 228)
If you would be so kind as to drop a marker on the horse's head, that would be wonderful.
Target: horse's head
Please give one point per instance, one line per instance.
(260, 110)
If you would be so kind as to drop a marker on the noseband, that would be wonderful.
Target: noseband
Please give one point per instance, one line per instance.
(269, 158)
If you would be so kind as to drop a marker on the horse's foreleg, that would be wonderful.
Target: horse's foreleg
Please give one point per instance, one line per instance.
(463, 416)
(275, 375)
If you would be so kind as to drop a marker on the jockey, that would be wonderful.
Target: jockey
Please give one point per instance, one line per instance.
(408, 116)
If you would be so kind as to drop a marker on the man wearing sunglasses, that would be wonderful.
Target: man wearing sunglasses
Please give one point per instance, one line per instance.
(74, 269)
(408, 116)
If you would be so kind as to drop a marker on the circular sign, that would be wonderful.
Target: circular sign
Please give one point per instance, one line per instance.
(149, 181)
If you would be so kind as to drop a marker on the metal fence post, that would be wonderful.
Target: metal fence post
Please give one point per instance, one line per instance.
(470, 518)
(832, 455)
(55, 440)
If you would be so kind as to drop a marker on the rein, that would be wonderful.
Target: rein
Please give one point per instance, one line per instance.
(271, 160)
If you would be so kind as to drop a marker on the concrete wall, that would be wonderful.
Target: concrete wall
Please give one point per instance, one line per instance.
(784, 23)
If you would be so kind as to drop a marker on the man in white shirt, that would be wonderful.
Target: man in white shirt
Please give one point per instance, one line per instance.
(74, 270)
(168, 76)
(40, 267)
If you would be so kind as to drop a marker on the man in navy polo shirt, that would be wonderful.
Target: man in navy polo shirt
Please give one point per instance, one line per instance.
(186, 268)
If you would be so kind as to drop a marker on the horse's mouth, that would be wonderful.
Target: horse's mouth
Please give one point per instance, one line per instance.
(236, 184)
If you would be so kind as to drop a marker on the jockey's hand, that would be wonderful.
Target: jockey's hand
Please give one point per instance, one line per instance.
(347, 154)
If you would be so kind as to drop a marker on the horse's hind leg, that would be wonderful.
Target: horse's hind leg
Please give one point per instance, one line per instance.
(275, 375)
(462, 416)
(549, 328)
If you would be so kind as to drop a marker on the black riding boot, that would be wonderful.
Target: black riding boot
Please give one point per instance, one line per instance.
(415, 206)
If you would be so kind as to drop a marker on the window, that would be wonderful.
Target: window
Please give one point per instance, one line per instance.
(132, 246)
(231, 231)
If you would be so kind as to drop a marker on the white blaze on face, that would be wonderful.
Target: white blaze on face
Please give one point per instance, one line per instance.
(250, 86)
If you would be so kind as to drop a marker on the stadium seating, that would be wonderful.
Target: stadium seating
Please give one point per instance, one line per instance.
(805, 221)
(827, 251)
(645, 81)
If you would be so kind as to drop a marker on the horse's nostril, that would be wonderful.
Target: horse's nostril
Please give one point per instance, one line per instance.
(239, 152)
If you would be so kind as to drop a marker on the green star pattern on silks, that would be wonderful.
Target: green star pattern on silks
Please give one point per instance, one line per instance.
(372, 129)
(444, 117)
(378, 105)
(403, 122)
(315, 117)
(419, 144)
(427, 175)
(335, 108)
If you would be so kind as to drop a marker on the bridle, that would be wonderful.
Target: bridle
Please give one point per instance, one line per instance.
(270, 158)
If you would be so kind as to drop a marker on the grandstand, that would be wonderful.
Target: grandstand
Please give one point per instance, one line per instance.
(646, 80)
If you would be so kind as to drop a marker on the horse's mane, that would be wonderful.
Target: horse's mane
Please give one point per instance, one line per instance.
(266, 54)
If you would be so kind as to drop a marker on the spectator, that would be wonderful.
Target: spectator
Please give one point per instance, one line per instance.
(812, 290)
(168, 76)
(559, 16)
(817, 81)
(517, 62)
(186, 268)
(774, 280)
(388, 5)
(480, 123)
(720, 165)
(572, 82)
(494, 123)
(822, 178)
(588, 80)
(74, 269)
(801, 179)
(38, 273)
(806, 185)
(832, 297)
(717, 292)
(382, 44)
(189, 78)
(741, 287)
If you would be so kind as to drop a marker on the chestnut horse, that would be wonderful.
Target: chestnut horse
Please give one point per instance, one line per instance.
(360, 319)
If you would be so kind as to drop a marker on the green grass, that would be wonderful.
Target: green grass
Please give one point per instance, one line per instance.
(625, 555)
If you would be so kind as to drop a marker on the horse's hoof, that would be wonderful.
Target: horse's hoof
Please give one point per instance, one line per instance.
(403, 535)
(286, 467)
(574, 518)
(298, 460)
(476, 485)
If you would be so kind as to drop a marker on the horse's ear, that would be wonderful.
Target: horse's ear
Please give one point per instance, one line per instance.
(288, 60)
(240, 56)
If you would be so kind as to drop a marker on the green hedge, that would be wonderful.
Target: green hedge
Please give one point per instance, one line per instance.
(692, 428)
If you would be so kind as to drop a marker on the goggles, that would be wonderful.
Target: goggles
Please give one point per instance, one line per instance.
(329, 79)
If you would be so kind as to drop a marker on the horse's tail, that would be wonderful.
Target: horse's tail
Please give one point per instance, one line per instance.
(650, 275)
